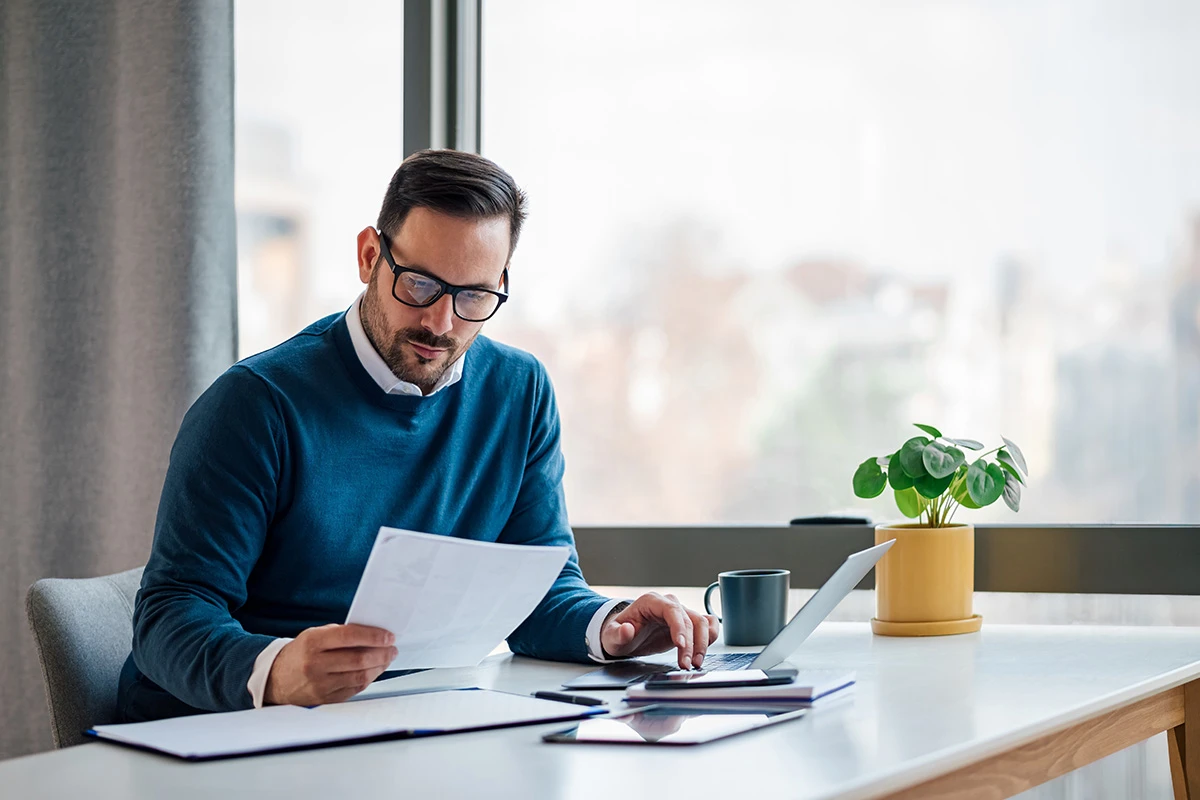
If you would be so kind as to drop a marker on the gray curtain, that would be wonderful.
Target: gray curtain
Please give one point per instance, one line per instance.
(117, 286)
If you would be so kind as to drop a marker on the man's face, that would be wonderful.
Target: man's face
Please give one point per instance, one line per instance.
(419, 344)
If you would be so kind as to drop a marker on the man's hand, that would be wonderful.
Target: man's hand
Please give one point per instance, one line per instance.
(655, 623)
(328, 664)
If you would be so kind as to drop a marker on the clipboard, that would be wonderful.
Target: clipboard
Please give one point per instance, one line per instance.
(276, 729)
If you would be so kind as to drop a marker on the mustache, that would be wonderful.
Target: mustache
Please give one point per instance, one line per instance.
(426, 339)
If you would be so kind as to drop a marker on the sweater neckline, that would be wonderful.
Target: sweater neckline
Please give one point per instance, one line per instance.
(413, 405)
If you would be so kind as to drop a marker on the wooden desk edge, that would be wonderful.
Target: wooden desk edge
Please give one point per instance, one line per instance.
(1027, 765)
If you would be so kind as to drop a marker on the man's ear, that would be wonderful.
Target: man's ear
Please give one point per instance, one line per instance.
(368, 253)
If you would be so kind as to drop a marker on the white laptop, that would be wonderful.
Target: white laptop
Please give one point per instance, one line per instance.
(787, 641)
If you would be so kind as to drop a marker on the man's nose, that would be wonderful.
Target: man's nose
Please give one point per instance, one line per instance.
(439, 317)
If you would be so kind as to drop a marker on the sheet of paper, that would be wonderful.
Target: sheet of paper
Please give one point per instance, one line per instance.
(278, 727)
(446, 711)
(450, 601)
(232, 733)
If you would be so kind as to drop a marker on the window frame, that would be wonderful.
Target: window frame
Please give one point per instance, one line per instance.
(1059, 559)
(443, 44)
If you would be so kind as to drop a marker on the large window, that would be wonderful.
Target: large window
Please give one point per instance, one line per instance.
(764, 238)
(318, 119)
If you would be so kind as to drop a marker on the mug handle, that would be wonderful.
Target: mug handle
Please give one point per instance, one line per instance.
(707, 595)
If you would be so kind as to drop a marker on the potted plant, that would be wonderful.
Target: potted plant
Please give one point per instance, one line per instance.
(924, 585)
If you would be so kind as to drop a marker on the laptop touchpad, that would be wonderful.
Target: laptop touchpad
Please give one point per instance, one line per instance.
(617, 675)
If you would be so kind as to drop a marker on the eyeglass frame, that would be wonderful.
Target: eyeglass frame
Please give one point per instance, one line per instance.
(444, 288)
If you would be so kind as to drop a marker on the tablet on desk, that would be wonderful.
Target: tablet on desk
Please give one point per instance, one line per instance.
(668, 725)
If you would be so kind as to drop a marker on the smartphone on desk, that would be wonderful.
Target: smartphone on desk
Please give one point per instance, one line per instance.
(721, 679)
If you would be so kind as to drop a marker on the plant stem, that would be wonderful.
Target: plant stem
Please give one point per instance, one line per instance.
(940, 510)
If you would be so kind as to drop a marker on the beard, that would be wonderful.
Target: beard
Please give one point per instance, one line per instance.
(404, 362)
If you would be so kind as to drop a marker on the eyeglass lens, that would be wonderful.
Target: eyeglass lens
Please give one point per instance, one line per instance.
(419, 290)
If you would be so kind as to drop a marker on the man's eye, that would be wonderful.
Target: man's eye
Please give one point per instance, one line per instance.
(420, 289)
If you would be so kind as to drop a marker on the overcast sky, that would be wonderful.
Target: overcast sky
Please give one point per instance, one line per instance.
(924, 137)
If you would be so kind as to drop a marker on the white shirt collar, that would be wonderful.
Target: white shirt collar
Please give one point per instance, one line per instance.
(378, 369)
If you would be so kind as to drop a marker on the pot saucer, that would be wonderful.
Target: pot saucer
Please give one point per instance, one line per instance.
(940, 628)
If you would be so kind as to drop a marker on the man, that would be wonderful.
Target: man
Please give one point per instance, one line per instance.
(394, 413)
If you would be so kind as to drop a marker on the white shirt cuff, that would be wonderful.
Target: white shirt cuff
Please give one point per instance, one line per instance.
(262, 670)
(595, 651)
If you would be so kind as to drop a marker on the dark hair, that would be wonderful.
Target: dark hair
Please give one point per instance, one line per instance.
(452, 182)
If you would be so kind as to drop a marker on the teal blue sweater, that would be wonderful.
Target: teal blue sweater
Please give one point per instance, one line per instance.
(280, 477)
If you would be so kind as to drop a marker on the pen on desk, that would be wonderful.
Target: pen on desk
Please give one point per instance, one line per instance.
(569, 698)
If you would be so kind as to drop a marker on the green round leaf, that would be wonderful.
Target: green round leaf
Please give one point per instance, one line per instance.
(970, 444)
(1007, 462)
(869, 480)
(1012, 491)
(897, 477)
(997, 473)
(940, 460)
(932, 487)
(963, 497)
(1017, 455)
(985, 482)
(910, 457)
(911, 504)
(932, 431)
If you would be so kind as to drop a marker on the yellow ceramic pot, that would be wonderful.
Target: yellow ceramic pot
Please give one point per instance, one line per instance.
(924, 584)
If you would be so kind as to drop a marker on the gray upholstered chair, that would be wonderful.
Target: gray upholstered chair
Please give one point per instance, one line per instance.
(84, 632)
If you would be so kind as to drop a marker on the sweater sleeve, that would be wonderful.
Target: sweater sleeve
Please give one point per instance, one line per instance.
(218, 498)
(557, 628)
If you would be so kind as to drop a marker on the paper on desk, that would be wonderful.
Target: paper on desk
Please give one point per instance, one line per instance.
(450, 601)
(272, 728)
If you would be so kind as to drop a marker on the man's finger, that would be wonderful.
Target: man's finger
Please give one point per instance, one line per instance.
(339, 695)
(353, 659)
(670, 611)
(616, 638)
(714, 628)
(625, 632)
(680, 625)
(351, 683)
(700, 639)
(330, 637)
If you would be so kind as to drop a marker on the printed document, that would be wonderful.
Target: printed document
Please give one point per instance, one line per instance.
(450, 601)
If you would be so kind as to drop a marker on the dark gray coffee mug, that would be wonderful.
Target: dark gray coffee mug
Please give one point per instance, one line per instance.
(753, 604)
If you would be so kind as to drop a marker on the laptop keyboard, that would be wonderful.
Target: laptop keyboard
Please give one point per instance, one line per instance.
(728, 660)
(620, 674)
(721, 661)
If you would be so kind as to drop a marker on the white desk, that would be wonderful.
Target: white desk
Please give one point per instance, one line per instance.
(980, 715)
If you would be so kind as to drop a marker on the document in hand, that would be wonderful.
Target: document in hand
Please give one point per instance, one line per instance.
(267, 730)
(809, 685)
(450, 601)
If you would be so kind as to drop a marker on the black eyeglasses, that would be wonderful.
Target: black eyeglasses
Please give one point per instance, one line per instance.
(419, 289)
